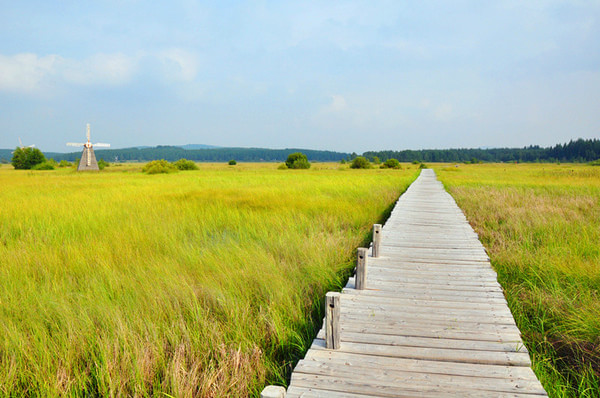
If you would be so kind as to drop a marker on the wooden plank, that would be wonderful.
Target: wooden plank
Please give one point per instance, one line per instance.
(390, 376)
(333, 383)
(424, 366)
(434, 354)
(428, 342)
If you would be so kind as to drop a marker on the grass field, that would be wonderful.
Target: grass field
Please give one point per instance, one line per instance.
(199, 283)
(541, 225)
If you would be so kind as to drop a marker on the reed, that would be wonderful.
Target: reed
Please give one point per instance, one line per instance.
(199, 283)
(541, 226)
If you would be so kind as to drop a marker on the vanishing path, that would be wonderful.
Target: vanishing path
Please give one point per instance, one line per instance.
(432, 320)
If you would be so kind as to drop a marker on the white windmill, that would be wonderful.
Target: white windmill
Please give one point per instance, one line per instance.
(21, 146)
(88, 159)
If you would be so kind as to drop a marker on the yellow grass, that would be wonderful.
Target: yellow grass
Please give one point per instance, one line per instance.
(541, 225)
(198, 283)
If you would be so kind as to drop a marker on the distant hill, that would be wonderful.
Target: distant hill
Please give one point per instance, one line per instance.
(172, 153)
(197, 146)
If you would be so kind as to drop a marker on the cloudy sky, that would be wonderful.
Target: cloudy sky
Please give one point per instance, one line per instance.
(338, 75)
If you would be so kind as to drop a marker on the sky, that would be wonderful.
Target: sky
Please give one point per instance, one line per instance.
(347, 76)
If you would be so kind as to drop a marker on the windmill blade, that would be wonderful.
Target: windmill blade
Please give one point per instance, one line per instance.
(20, 143)
(31, 146)
(74, 144)
(101, 144)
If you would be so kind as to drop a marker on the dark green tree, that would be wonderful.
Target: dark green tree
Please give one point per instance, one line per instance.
(360, 162)
(297, 160)
(26, 158)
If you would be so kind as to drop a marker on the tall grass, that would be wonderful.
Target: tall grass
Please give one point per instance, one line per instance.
(200, 283)
(541, 225)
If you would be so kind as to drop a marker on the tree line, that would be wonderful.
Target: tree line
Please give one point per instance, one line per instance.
(581, 150)
(173, 153)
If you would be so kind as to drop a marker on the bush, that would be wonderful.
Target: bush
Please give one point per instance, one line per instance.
(360, 162)
(44, 166)
(184, 164)
(26, 158)
(232, 162)
(102, 164)
(297, 160)
(391, 164)
(158, 167)
(595, 163)
(422, 166)
(415, 162)
(65, 163)
(376, 160)
(343, 161)
(282, 166)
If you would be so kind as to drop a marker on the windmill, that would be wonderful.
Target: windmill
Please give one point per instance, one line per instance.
(21, 146)
(88, 159)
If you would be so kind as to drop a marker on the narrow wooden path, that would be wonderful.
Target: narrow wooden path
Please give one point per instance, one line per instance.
(432, 320)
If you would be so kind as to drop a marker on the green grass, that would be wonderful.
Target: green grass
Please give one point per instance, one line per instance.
(541, 225)
(203, 283)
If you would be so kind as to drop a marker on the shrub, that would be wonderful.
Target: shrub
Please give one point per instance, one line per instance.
(343, 161)
(26, 158)
(232, 162)
(158, 167)
(422, 166)
(184, 164)
(415, 162)
(44, 166)
(595, 163)
(360, 162)
(65, 163)
(391, 164)
(282, 166)
(102, 164)
(376, 160)
(297, 160)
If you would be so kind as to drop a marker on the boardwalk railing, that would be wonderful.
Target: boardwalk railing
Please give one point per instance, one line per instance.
(423, 316)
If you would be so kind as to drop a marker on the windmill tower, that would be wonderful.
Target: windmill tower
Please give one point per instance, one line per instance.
(88, 159)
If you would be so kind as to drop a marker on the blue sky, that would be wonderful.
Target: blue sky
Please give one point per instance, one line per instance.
(337, 75)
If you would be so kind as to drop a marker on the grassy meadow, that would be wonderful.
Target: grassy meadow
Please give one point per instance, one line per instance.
(199, 283)
(541, 226)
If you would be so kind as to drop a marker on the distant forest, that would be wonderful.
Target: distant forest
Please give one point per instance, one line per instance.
(173, 153)
(575, 151)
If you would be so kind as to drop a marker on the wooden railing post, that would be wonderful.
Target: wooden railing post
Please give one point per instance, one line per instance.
(376, 239)
(360, 280)
(273, 392)
(332, 321)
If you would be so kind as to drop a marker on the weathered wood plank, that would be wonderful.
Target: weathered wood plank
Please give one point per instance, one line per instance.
(355, 370)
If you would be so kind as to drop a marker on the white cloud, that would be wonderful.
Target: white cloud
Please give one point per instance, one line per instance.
(178, 64)
(100, 69)
(338, 104)
(31, 74)
(26, 72)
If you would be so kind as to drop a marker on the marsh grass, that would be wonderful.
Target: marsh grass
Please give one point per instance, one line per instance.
(205, 283)
(541, 225)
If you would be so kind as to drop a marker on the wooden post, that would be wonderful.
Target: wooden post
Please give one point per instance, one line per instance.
(376, 239)
(360, 279)
(273, 392)
(332, 321)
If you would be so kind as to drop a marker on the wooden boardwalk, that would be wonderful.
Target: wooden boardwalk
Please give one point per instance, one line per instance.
(432, 320)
